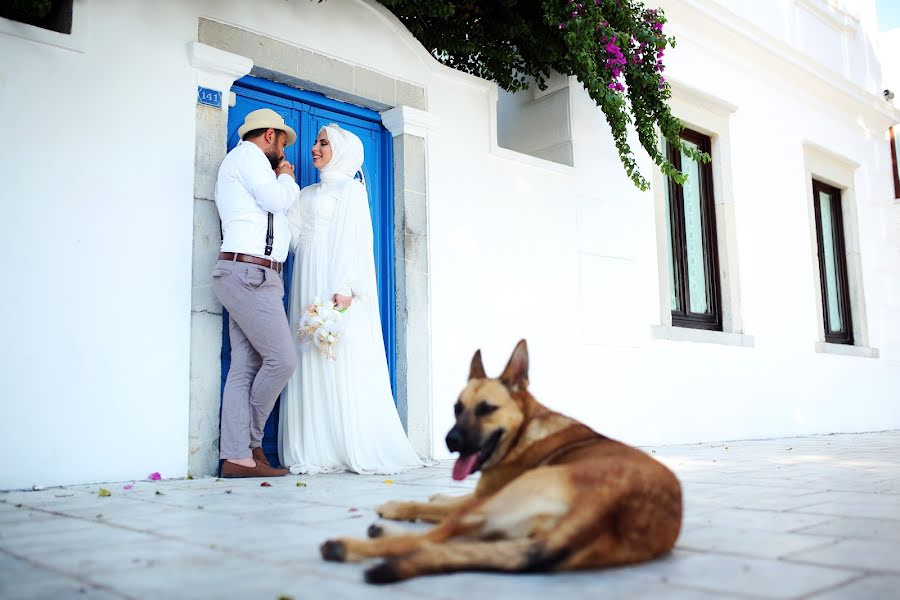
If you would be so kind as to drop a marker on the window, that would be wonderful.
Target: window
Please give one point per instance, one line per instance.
(895, 158)
(694, 291)
(832, 264)
(53, 15)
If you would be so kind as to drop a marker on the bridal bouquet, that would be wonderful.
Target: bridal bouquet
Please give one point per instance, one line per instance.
(320, 326)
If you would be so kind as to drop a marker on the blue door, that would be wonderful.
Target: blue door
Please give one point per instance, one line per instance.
(306, 112)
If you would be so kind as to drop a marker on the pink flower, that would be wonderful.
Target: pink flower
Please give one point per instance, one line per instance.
(154, 476)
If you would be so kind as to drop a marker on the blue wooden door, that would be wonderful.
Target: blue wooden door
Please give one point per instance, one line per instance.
(306, 113)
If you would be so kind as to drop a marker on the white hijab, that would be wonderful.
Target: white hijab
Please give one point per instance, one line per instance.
(352, 268)
(347, 154)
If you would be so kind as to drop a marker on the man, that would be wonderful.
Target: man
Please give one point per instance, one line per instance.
(255, 188)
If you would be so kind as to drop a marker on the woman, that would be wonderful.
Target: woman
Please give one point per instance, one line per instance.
(339, 414)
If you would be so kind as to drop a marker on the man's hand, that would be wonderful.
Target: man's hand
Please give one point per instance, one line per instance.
(285, 167)
(342, 302)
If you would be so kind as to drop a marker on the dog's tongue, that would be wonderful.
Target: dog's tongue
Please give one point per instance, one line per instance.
(464, 466)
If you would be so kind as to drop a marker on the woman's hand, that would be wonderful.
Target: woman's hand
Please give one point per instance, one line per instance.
(342, 302)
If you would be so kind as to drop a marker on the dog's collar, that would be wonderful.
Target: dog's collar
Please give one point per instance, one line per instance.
(560, 451)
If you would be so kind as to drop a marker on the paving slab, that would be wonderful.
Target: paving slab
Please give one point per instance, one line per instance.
(814, 518)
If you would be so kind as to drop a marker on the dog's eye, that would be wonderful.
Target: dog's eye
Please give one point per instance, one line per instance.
(483, 409)
(458, 408)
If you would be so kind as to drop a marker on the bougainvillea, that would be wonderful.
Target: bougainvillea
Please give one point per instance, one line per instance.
(615, 48)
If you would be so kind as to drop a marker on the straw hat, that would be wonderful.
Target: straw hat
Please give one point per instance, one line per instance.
(266, 118)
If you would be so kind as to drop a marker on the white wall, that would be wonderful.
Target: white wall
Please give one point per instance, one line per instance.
(588, 314)
(97, 179)
(98, 173)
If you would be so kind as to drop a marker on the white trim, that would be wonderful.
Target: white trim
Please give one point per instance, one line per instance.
(838, 171)
(217, 69)
(410, 121)
(847, 350)
(710, 116)
(703, 336)
(788, 54)
(403, 34)
(75, 41)
(833, 16)
(428, 60)
(701, 99)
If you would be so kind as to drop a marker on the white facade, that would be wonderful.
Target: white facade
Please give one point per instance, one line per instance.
(98, 179)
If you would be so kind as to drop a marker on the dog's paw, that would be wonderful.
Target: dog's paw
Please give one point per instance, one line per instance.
(383, 572)
(334, 551)
(391, 510)
(375, 530)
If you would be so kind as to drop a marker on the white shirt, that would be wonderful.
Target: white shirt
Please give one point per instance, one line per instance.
(246, 191)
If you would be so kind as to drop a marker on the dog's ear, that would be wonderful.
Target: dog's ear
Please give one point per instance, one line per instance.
(515, 375)
(476, 371)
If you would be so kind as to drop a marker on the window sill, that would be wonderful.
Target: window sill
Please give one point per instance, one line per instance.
(703, 336)
(75, 41)
(846, 350)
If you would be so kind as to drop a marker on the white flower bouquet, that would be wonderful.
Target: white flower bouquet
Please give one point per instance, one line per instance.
(320, 327)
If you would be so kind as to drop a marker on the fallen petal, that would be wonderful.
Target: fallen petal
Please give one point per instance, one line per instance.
(154, 476)
(104, 492)
(128, 487)
(265, 484)
(389, 481)
(301, 484)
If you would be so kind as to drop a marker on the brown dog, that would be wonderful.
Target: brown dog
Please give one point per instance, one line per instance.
(554, 495)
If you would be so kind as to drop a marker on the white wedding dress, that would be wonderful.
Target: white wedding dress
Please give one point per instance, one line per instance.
(339, 415)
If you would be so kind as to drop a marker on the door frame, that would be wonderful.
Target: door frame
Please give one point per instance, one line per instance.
(404, 114)
(315, 103)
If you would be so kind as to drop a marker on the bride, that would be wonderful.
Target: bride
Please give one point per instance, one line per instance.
(339, 414)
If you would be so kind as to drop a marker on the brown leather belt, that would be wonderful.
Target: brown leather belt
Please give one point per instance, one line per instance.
(249, 258)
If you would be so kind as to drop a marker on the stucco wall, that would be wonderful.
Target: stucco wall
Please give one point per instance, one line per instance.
(98, 179)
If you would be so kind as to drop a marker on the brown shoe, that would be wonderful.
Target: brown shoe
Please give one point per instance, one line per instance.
(232, 470)
(260, 457)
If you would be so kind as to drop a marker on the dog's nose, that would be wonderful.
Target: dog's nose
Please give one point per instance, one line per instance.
(454, 439)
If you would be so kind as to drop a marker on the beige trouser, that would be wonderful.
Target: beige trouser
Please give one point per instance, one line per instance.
(263, 355)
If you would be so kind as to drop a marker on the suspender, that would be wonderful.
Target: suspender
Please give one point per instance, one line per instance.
(270, 237)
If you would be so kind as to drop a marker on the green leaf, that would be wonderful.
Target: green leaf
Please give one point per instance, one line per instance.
(513, 42)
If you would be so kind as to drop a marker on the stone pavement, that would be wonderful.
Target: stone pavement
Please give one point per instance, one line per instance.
(814, 517)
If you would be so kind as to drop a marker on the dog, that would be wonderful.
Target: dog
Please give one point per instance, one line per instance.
(554, 495)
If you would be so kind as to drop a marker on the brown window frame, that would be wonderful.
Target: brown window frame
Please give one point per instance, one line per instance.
(683, 317)
(844, 336)
(895, 161)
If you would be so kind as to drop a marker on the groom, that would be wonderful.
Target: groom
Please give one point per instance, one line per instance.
(254, 190)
